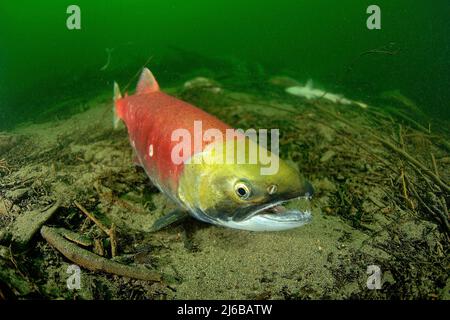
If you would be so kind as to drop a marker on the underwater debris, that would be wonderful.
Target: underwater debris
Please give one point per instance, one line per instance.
(76, 238)
(99, 224)
(17, 194)
(406, 110)
(416, 165)
(284, 81)
(93, 262)
(28, 224)
(12, 283)
(327, 156)
(111, 232)
(4, 166)
(109, 51)
(401, 152)
(202, 83)
(397, 96)
(360, 196)
(309, 92)
(7, 142)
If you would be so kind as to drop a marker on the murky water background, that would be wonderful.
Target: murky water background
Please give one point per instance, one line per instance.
(380, 173)
(42, 62)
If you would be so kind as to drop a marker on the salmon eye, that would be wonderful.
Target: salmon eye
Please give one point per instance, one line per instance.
(242, 190)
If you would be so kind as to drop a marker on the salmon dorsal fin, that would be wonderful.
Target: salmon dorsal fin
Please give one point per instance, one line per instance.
(147, 82)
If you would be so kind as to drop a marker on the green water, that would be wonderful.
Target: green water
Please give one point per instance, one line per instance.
(380, 173)
(43, 63)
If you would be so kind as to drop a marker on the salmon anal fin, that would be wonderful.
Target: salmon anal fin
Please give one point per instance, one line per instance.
(147, 83)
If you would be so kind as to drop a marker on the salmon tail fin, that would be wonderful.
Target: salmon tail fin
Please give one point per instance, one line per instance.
(147, 83)
(117, 96)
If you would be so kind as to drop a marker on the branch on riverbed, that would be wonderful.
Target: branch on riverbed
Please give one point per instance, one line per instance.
(417, 164)
(111, 232)
(93, 262)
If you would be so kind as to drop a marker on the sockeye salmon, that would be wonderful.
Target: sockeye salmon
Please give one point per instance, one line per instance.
(228, 194)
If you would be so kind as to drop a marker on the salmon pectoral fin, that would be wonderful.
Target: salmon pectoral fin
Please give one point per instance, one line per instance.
(176, 215)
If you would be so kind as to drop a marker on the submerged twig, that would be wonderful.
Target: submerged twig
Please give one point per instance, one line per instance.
(399, 151)
(28, 224)
(94, 262)
(433, 160)
(408, 157)
(413, 123)
(111, 232)
(353, 141)
(108, 59)
(92, 217)
(444, 206)
(112, 236)
(4, 166)
(405, 190)
(400, 137)
(439, 215)
(76, 238)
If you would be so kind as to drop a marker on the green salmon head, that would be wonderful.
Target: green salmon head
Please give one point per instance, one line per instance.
(239, 195)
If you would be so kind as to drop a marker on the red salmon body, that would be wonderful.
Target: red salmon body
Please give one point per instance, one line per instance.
(183, 152)
(151, 117)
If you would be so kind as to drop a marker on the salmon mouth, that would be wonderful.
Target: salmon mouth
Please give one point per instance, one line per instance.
(285, 210)
(285, 207)
(277, 216)
(282, 214)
